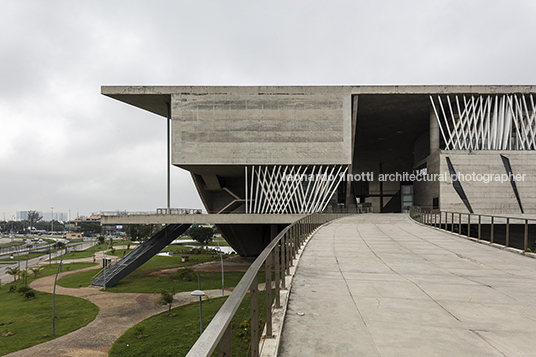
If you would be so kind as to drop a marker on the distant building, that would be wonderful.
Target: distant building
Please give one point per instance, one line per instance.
(58, 216)
(73, 235)
(93, 218)
(23, 215)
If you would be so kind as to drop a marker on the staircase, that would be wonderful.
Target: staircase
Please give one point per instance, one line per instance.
(126, 265)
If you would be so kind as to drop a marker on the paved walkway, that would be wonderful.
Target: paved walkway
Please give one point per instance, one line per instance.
(117, 313)
(382, 285)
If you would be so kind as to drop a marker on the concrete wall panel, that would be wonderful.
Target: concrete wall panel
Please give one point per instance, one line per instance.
(261, 125)
(494, 196)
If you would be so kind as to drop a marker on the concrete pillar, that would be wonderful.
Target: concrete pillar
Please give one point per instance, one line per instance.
(434, 132)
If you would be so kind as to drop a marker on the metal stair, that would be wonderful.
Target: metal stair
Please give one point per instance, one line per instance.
(140, 255)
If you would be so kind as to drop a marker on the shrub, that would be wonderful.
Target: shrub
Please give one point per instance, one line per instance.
(186, 274)
(24, 289)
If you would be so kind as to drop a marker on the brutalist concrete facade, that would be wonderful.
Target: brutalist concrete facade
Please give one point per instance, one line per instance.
(240, 142)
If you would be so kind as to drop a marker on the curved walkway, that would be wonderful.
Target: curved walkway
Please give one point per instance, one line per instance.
(117, 313)
(383, 285)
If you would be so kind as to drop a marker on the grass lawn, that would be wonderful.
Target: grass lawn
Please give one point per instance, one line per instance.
(30, 320)
(87, 253)
(175, 335)
(23, 256)
(143, 283)
(167, 335)
(147, 279)
(78, 280)
(49, 270)
(11, 244)
(44, 254)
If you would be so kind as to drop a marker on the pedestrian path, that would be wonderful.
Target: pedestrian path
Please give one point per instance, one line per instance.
(117, 313)
(383, 285)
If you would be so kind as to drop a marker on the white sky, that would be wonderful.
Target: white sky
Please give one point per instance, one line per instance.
(64, 145)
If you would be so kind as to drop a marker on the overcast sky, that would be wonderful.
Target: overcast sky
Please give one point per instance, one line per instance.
(64, 145)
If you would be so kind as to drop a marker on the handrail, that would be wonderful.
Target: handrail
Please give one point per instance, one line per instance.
(453, 222)
(283, 248)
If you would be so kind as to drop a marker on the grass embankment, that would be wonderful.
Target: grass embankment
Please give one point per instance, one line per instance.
(30, 320)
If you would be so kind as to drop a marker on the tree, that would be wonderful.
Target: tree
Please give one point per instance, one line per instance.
(95, 228)
(101, 240)
(201, 234)
(22, 274)
(166, 298)
(139, 232)
(36, 270)
(33, 217)
(13, 272)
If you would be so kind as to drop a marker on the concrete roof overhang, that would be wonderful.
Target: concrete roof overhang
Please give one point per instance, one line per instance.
(154, 98)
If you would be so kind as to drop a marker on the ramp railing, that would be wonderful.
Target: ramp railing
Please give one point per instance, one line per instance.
(234, 331)
(515, 232)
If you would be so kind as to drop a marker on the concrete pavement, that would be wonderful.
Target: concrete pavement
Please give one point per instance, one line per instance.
(382, 285)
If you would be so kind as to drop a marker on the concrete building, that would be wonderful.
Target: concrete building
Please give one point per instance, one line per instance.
(301, 149)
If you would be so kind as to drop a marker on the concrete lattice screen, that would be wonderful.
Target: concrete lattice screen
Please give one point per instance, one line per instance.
(285, 189)
(500, 122)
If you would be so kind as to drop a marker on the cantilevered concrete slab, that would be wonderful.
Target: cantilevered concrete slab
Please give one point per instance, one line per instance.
(382, 285)
(202, 219)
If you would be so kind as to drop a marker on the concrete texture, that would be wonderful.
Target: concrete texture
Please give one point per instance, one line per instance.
(494, 197)
(383, 285)
(263, 125)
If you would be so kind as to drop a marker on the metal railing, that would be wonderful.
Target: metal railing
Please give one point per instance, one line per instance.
(359, 208)
(276, 258)
(158, 211)
(516, 232)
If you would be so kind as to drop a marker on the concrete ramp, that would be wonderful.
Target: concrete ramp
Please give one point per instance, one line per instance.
(382, 285)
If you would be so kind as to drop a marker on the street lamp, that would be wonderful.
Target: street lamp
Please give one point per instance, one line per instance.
(200, 294)
(52, 220)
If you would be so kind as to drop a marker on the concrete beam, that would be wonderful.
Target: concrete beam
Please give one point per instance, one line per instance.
(202, 219)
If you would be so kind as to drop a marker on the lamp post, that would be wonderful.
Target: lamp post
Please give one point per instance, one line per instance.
(52, 220)
(200, 294)
(222, 276)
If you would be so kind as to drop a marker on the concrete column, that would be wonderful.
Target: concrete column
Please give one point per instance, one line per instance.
(434, 132)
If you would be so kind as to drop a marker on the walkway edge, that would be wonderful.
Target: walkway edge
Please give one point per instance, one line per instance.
(269, 347)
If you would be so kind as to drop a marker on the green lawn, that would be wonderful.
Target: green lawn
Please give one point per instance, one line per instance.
(24, 254)
(78, 280)
(89, 252)
(11, 244)
(49, 270)
(23, 257)
(175, 335)
(30, 320)
(147, 279)
(167, 335)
